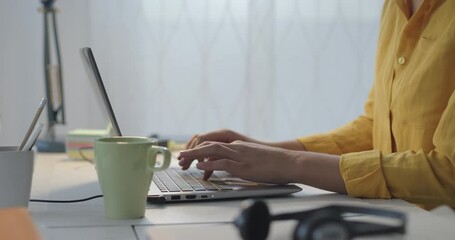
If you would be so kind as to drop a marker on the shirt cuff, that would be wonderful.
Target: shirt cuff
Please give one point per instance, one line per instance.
(362, 174)
(322, 143)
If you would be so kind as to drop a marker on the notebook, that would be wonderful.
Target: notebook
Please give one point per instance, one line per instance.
(176, 185)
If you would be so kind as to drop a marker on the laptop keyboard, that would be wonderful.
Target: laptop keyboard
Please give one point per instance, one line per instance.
(177, 180)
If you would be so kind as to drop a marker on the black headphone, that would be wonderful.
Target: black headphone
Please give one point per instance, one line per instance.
(322, 223)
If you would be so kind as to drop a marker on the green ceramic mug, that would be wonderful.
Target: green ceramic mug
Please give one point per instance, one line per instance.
(125, 167)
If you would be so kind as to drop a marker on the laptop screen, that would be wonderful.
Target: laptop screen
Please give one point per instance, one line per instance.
(94, 74)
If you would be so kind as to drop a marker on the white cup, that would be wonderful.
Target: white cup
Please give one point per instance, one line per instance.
(16, 170)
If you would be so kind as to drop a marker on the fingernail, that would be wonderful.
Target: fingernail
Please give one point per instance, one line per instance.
(183, 163)
(199, 165)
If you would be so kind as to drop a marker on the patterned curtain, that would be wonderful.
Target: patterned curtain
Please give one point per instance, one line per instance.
(272, 69)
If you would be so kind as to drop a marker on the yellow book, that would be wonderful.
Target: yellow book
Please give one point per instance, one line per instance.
(79, 142)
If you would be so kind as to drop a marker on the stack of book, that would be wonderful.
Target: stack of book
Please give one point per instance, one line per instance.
(79, 142)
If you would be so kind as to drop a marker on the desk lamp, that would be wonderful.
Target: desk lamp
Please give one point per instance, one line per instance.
(53, 81)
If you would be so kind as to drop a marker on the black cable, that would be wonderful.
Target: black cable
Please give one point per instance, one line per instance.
(65, 201)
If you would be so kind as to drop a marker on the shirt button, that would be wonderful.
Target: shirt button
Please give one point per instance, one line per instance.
(401, 60)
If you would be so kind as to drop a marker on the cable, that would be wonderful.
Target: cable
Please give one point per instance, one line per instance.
(65, 201)
(81, 152)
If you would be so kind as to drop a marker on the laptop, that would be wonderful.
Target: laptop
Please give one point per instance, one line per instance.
(176, 185)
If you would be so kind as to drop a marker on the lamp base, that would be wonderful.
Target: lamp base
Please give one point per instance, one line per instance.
(50, 145)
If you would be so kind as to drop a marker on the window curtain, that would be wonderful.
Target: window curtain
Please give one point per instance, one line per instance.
(271, 69)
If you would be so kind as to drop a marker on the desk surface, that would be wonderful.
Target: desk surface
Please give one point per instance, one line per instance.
(57, 178)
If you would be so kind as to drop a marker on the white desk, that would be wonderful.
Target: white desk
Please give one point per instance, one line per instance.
(59, 179)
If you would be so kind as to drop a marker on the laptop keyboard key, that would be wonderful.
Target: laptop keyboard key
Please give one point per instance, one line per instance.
(177, 180)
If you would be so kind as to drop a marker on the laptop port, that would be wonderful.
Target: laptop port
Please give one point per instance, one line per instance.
(190, 196)
(203, 196)
(175, 197)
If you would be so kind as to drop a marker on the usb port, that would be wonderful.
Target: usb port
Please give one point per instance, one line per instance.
(203, 196)
(175, 197)
(190, 196)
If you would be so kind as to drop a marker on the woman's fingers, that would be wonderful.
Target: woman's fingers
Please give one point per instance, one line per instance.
(201, 155)
(195, 140)
(222, 135)
(217, 156)
(226, 165)
(207, 174)
(208, 139)
(185, 163)
(189, 143)
(209, 149)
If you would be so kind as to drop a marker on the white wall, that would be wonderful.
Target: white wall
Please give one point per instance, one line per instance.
(18, 70)
(21, 60)
(272, 69)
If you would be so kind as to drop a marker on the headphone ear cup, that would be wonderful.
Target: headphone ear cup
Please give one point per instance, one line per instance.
(324, 224)
(254, 220)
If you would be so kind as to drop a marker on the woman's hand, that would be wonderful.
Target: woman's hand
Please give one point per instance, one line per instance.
(223, 135)
(262, 163)
(250, 161)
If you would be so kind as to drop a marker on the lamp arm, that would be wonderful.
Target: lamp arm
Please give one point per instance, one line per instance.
(47, 71)
(61, 108)
(53, 81)
(52, 73)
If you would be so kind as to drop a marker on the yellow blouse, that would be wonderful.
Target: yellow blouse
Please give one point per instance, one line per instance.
(404, 145)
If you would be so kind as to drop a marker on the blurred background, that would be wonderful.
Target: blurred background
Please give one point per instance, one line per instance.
(272, 69)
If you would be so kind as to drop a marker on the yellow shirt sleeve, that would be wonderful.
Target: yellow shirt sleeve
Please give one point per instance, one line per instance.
(423, 178)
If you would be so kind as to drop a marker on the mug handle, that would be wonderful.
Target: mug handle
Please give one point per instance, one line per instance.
(152, 153)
